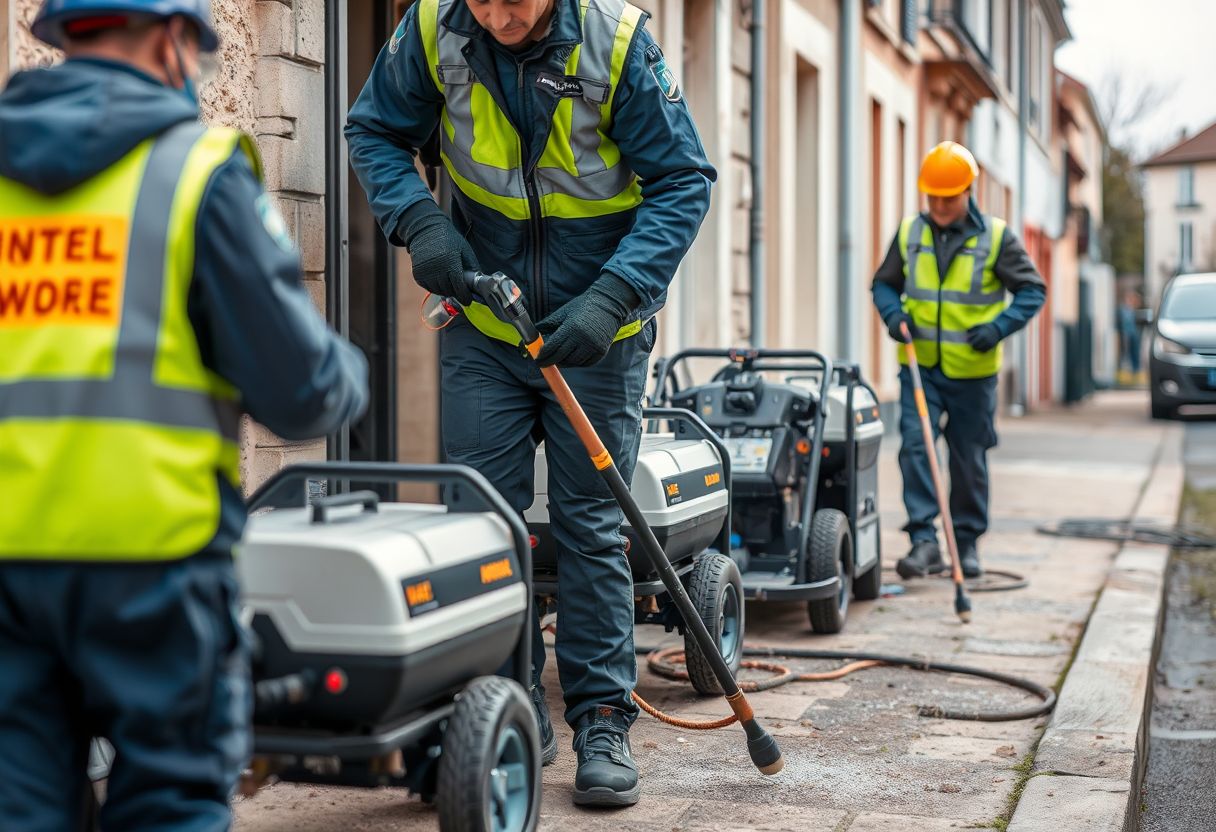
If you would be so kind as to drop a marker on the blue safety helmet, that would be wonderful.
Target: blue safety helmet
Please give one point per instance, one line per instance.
(48, 25)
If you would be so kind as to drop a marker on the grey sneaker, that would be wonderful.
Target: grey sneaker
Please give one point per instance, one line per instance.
(548, 742)
(607, 774)
(924, 559)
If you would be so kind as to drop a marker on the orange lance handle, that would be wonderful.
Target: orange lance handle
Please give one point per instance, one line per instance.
(962, 604)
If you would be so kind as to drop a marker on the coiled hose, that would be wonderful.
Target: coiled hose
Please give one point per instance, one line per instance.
(666, 663)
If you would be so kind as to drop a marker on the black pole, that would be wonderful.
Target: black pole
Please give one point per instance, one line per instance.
(337, 230)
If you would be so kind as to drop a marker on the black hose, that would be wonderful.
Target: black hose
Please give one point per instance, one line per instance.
(1046, 695)
(1127, 531)
(1011, 580)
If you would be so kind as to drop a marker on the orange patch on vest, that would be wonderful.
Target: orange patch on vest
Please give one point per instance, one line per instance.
(62, 270)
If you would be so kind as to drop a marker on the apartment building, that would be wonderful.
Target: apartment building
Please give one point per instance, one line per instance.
(815, 112)
(1180, 211)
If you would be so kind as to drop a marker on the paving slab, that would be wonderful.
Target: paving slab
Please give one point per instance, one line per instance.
(1075, 804)
(874, 822)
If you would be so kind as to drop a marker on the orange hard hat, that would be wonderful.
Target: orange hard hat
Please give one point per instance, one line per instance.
(948, 170)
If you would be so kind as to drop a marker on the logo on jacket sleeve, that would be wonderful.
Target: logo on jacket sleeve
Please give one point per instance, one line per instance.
(394, 42)
(274, 224)
(663, 76)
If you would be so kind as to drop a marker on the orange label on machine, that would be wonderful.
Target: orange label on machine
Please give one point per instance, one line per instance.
(62, 270)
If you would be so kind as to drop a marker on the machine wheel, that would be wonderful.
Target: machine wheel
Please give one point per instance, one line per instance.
(867, 587)
(716, 590)
(830, 555)
(489, 773)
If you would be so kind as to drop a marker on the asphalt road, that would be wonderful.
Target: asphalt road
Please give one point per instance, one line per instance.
(1179, 794)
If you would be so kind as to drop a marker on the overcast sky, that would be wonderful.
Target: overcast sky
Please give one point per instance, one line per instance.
(1169, 43)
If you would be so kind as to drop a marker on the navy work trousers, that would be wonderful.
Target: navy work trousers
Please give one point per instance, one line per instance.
(149, 656)
(496, 407)
(969, 406)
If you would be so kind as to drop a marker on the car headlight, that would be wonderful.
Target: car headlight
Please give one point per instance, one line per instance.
(1164, 346)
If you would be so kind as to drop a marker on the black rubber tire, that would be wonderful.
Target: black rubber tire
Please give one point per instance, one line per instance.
(714, 580)
(484, 711)
(1159, 410)
(868, 586)
(830, 553)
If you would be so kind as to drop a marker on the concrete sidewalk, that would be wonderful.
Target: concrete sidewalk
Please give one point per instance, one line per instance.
(858, 757)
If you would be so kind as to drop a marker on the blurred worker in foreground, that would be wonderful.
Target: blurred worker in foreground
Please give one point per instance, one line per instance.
(149, 293)
(946, 276)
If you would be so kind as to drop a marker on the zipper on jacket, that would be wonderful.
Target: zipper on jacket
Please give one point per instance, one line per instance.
(538, 236)
(535, 224)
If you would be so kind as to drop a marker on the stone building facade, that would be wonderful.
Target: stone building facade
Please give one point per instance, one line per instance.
(269, 85)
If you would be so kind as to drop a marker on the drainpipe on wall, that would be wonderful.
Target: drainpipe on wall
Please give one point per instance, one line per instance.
(850, 86)
(1021, 350)
(337, 231)
(756, 247)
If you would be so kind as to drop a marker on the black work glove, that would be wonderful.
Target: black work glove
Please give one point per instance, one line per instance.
(893, 326)
(984, 337)
(440, 254)
(580, 333)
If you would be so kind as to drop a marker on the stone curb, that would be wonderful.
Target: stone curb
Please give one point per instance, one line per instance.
(1090, 762)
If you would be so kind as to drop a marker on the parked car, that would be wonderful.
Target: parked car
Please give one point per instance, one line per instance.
(1182, 367)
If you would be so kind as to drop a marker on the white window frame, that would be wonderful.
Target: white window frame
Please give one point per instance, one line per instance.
(1186, 185)
(1186, 245)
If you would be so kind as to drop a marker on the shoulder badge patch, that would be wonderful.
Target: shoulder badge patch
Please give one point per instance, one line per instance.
(394, 42)
(274, 224)
(663, 76)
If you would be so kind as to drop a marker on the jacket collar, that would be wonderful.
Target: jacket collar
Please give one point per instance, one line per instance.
(970, 224)
(566, 28)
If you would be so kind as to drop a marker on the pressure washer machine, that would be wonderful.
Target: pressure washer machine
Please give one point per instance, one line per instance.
(378, 629)
(681, 485)
(803, 436)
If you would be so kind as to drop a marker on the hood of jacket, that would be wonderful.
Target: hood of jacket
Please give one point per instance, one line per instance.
(61, 126)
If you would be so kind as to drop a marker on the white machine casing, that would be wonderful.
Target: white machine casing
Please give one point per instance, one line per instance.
(867, 436)
(679, 487)
(408, 602)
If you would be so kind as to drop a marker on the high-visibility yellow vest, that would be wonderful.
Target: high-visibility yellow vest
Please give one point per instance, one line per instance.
(580, 173)
(943, 310)
(112, 432)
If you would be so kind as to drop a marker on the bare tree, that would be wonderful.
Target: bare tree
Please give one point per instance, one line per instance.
(1125, 102)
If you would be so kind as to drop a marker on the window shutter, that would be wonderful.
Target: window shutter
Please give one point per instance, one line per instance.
(910, 20)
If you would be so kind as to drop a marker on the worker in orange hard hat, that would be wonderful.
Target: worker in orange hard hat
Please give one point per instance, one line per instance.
(946, 276)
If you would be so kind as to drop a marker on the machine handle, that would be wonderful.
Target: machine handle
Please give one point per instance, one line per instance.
(271, 495)
(743, 357)
(369, 500)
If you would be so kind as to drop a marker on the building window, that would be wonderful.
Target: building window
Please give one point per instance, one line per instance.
(1186, 185)
(1185, 246)
(1039, 80)
(976, 17)
(909, 20)
(1000, 22)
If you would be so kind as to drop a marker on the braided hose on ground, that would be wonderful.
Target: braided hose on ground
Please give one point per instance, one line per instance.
(666, 663)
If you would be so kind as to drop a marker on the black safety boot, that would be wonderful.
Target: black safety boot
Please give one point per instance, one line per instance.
(924, 559)
(969, 560)
(607, 774)
(548, 742)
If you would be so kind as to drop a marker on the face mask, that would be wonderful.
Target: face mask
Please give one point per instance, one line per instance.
(189, 85)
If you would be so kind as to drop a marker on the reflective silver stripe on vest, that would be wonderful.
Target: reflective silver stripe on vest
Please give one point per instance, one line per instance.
(595, 180)
(130, 394)
(600, 20)
(931, 333)
(975, 296)
(457, 78)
